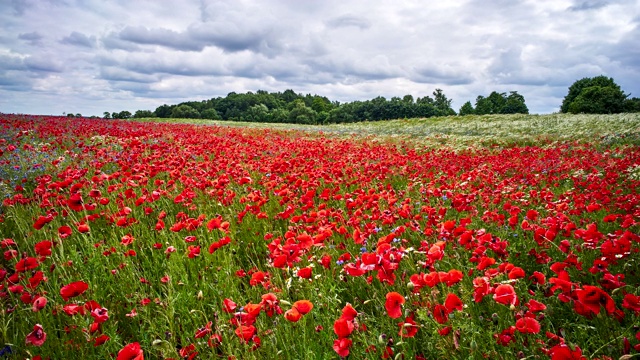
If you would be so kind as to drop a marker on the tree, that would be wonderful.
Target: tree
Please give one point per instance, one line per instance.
(500, 103)
(466, 109)
(185, 112)
(143, 114)
(514, 104)
(257, 113)
(442, 104)
(210, 114)
(122, 115)
(301, 113)
(107, 115)
(598, 100)
(607, 94)
(632, 105)
(163, 111)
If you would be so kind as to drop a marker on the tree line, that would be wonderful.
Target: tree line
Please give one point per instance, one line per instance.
(588, 95)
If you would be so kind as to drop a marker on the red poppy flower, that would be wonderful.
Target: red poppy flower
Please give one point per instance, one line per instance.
(408, 328)
(348, 312)
(100, 340)
(39, 303)
(202, 332)
(590, 298)
(564, 352)
(100, 315)
(245, 332)
(303, 306)
(453, 302)
(43, 248)
(631, 302)
(304, 273)
(37, 337)
(131, 352)
(343, 328)
(292, 315)
(64, 231)
(229, 306)
(505, 294)
(341, 346)
(535, 306)
(26, 264)
(440, 314)
(393, 304)
(527, 325)
(74, 289)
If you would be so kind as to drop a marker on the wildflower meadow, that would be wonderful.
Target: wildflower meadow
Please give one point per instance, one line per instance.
(132, 240)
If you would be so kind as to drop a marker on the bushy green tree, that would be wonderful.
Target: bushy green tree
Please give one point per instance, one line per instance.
(258, 113)
(210, 114)
(515, 104)
(602, 90)
(163, 111)
(185, 112)
(466, 109)
(500, 103)
(143, 114)
(122, 115)
(301, 113)
(632, 105)
(598, 100)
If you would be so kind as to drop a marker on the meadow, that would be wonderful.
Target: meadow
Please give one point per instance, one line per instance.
(475, 237)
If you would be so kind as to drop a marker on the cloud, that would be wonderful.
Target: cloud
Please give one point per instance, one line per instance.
(449, 75)
(583, 5)
(349, 20)
(33, 38)
(132, 55)
(79, 39)
(159, 36)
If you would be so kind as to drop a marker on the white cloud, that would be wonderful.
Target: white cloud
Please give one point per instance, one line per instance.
(92, 56)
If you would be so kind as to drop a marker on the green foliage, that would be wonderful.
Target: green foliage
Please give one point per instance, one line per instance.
(500, 103)
(107, 115)
(210, 114)
(632, 105)
(603, 90)
(598, 100)
(302, 114)
(185, 112)
(289, 107)
(121, 115)
(143, 114)
(466, 109)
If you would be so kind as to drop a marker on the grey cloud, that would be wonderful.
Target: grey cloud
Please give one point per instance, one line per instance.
(33, 38)
(118, 74)
(79, 39)
(441, 75)
(507, 65)
(43, 64)
(231, 37)
(349, 20)
(588, 5)
(31, 63)
(19, 6)
(151, 65)
(228, 36)
(159, 36)
(112, 41)
(344, 68)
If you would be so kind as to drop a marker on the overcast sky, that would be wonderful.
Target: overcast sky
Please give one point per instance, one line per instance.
(91, 56)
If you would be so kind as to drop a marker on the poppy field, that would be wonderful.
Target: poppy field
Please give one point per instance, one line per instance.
(134, 240)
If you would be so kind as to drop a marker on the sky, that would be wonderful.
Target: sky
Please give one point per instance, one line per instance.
(92, 56)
